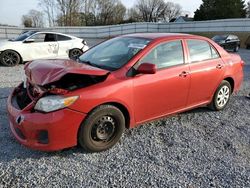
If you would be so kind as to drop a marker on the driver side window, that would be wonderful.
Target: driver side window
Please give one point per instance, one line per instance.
(165, 55)
(38, 37)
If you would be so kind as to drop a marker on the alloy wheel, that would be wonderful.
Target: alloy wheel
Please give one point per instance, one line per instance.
(223, 96)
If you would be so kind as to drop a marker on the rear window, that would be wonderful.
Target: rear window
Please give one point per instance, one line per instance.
(62, 38)
(201, 50)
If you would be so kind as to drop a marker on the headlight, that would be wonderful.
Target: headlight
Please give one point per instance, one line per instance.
(52, 103)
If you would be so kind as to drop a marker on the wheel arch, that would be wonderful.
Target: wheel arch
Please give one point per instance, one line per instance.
(231, 82)
(121, 107)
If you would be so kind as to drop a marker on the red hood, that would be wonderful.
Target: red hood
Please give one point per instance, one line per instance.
(42, 72)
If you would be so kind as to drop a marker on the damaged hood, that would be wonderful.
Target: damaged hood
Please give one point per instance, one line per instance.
(42, 72)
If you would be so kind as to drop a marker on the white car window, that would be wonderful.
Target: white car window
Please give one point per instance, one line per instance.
(63, 38)
(38, 37)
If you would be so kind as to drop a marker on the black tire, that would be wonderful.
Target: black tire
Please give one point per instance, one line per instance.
(75, 53)
(10, 58)
(221, 98)
(102, 129)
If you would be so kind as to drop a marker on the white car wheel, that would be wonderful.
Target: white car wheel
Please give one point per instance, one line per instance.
(10, 58)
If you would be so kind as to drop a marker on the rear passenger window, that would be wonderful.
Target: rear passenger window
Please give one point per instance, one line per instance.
(201, 50)
(165, 55)
(62, 38)
(50, 37)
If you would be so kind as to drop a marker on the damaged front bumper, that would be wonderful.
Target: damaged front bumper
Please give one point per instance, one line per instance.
(43, 131)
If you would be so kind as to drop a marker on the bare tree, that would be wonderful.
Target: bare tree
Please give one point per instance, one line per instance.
(173, 10)
(69, 11)
(155, 10)
(50, 8)
(33, 19)
(248, 9)
(119, 13)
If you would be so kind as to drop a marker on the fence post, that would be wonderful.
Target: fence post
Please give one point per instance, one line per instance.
(6, 33)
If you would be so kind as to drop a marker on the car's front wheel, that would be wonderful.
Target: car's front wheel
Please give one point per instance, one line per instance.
(101, 129)
(75, 53)
(10, 58)
(221, 96)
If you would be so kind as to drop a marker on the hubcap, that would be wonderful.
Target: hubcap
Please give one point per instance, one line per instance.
(10, 58)
(223, 96)
(103, 129)
(75, 54)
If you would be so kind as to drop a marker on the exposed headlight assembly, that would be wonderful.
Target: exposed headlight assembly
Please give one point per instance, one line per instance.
(53, 103)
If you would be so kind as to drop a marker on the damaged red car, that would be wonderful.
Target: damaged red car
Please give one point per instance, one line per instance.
(119, 84)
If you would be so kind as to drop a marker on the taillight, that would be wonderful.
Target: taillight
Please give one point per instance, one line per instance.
(84, 42)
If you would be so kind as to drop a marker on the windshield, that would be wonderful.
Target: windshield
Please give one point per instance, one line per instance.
(24, 35)
(219, 37)
(113, 54)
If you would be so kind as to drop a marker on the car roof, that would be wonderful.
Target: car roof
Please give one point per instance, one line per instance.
(158, 35)
(51, 32)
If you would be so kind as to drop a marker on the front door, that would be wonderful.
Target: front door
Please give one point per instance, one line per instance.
(167, 90)
(44, 46)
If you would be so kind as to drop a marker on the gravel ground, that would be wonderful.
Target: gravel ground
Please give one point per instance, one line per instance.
(199, 148)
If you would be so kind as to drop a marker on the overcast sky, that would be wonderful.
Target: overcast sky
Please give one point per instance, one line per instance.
(11, 11)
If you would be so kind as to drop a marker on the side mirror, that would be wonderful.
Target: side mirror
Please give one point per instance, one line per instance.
(29, 40)
(146, 68)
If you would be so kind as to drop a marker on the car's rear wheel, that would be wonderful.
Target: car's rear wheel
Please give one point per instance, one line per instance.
(102, 129)
(221, 96)
(75, 53)
(10, 58)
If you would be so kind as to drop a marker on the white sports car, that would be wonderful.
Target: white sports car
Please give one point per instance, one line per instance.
(32, 45)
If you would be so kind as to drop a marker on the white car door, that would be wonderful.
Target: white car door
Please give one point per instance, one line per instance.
(65, 44)
(41, 46)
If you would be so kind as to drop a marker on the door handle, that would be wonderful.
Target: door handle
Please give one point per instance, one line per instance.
(219, 66)
(184, 74)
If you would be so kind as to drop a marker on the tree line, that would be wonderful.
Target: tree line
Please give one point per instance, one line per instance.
(109, 12)
(221, 9)
(99, 12)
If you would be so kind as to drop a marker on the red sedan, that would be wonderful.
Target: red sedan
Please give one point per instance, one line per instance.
(119, 84)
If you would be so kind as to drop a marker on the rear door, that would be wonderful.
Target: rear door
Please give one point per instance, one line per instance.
(206, 71)
(167, 90)
(65, 44)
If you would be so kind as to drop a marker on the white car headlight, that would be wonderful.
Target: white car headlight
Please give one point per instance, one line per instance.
(52, 103)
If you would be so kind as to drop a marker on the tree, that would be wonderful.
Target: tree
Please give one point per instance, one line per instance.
(248, 9)
(33, 19)
(49, 8)
(133, 15)
(155, 10)
(173, 10)
(220, 9)
(26, 21)
(68, 12)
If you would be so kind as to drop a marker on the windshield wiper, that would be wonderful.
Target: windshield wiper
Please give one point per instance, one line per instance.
(94, 65)
(86, 62)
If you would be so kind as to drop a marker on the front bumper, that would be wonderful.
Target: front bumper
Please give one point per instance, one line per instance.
(60, 127)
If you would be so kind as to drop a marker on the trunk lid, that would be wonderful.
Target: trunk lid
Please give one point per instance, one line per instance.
(42, 72)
